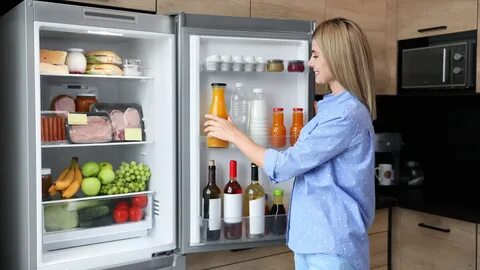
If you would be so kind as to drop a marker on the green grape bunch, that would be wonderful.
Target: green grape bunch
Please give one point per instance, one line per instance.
(129, 177)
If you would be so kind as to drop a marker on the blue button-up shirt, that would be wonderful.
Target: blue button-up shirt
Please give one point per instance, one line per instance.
(333, 197)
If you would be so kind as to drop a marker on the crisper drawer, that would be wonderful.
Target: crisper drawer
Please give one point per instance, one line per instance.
(85, 221)
(425, 241)
(145, 5)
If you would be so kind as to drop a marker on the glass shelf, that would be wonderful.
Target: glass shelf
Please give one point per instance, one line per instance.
(95, 76)
(265, 142)
(73, 145)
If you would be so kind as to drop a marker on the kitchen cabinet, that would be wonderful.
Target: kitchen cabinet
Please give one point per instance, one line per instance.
(283, 9)
(377, 20)
(211, 7)
(435, 17)
(280, 257)
(425, 241)
(141, 5)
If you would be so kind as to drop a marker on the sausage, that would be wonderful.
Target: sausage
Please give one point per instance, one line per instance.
(50, 129)
(60, 128)
(42, 128)
(54, 129)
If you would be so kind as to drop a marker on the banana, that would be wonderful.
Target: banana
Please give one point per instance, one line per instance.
(68, 179)
(75, 185)
(62, 175)
(52, 190)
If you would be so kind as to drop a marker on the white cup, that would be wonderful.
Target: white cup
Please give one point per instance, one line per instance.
(385, 174)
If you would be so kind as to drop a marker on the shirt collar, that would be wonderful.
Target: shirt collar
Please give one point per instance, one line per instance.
(339, 96)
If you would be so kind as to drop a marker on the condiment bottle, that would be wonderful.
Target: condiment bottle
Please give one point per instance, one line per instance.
(297, 125)
(46, 182)
(218, 107)
(279, 222)
(278, 132)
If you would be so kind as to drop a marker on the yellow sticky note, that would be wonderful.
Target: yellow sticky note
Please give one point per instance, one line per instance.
(133, 134)
(77, 119)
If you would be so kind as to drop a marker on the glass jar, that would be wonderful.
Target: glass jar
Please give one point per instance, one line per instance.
(76, 61)
(296, 66)
(84, 101)
(132, 67)
(46, 182)
(275, 65)
(278, 132)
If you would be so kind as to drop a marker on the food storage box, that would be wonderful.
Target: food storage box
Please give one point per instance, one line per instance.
(53, 127)
(91, 127)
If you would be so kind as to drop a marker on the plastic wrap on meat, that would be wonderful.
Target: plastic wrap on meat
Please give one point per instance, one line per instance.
(118, 124)
(132, 118)
(98, 130)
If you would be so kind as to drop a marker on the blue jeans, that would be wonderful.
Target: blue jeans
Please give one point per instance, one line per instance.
(320, 261)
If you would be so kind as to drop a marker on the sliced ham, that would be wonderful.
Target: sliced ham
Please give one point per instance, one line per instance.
(63, 103)
(98, 129)
(118, 124)
(132, 118)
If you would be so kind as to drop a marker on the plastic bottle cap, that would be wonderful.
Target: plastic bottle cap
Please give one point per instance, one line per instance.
(46, 171)
(278, 109)
(298, 109)
(277, 192)
(257, 90)
(211, 163)
(239, 84)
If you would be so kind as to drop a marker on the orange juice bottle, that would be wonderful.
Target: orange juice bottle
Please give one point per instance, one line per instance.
(278, 133)
(297, 125)
(218, 107)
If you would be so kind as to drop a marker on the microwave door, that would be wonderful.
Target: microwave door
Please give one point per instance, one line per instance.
(425, 67)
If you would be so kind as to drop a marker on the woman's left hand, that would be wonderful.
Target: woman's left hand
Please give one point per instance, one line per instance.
(221, 128)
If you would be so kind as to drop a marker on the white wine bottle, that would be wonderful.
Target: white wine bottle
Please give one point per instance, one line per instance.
(254, 206)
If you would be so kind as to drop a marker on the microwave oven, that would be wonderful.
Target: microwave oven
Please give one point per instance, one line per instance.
(445, 66)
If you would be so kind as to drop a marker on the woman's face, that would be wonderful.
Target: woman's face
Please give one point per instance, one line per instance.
(317, 62)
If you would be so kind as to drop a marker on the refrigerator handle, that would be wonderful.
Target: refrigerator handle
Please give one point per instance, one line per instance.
(109, 15)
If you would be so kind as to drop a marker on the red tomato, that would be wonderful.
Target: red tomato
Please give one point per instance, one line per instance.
(120, 215)
(135, 213)
(123, 204)
(140, 201)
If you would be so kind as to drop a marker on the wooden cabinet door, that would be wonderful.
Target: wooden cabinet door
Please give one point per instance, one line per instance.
(145, 5)
(425, 242)
(435, 17)
(376, 18)
(284, 9)
(239, 8)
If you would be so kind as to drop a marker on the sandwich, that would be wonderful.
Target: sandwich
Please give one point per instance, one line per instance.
(103, 69)
(50, 69)
(103, 57)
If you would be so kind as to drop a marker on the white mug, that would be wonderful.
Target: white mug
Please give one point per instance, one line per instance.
(385, 174)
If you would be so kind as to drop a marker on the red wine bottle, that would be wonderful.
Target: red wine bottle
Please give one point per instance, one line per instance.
(232, 199)
(212, 204)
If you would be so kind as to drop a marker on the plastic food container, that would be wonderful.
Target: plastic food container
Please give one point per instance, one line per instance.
(97, 130)
(237, 64)
(213, 62)
(296, 66)
(261, 64)
(132, 67)
(249, 63)
(226, 63)
(53, 128)
(275, 65)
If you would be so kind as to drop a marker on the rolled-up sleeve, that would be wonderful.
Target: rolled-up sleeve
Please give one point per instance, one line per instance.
(325, 141)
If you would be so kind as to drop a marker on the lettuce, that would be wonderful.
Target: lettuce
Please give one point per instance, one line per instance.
(56, 218)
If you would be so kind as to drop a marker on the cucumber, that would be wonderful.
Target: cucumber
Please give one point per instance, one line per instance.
(97, 222)
(93, 212)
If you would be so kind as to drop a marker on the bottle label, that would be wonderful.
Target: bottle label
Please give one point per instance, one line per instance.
(232, 208)
(214, 211)
(257, 215)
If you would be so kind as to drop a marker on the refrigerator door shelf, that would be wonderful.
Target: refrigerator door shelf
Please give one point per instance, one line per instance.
(95, 222)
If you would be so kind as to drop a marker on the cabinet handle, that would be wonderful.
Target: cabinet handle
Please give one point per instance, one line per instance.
(435, 28)
(423, 225)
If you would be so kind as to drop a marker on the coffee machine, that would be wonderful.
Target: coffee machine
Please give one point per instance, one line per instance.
(387, 150)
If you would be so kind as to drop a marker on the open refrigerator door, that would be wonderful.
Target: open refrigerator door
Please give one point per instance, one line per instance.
(105, 133)
(239, 55)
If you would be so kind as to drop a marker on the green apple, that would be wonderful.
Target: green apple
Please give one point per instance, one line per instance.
(90, 169)
(91, 186)
(106, 176)
(105, 164)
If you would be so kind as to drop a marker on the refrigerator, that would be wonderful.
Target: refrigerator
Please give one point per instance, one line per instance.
(172, 93)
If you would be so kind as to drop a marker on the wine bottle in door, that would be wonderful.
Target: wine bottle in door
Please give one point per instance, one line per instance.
(212, 204)
(279, 222)
(232, 199)
(254, 206)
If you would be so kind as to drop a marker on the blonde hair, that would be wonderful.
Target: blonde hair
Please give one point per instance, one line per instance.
(347, 53)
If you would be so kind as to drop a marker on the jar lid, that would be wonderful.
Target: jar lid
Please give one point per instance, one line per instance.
(275, 61)
(219, 84)
(46, 171)
(278, 109)
(295, 62)
(298, 109)
(277, 192)
(75, 50)
(86, 95)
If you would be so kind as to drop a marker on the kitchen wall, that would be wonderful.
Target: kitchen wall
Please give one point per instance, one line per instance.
(443, 134)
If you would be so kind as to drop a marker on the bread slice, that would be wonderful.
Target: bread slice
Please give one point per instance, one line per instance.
(53, 57)
(103, 57)
(46, 68)
(104, 69)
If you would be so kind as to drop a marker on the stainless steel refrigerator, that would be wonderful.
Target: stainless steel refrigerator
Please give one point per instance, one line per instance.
(173, 93)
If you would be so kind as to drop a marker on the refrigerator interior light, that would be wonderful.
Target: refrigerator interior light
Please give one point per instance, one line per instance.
(104, 33)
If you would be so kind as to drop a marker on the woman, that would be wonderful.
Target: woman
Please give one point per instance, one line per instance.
(333, 199)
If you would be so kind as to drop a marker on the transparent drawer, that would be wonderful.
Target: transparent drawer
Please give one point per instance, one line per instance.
(254, 229)
(90, 220)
